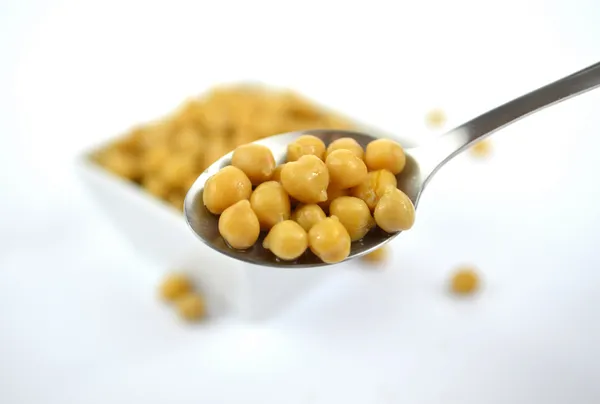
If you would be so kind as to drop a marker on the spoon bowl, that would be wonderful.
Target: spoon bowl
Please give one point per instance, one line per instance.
(422, 163)
(205, 224)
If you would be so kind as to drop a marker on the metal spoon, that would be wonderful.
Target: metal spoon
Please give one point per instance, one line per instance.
(422, 163)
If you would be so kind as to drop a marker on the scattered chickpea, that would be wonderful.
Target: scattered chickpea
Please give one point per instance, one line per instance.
(191, 307)
(239, 225)
(287, 240)
(308, 215)
(481, 149)
(464, 281)
(345, 169)
(271, 204)
(256, 161)
(436, 118)
(385, 154)
(354, 214)
(306, 145)
(394, 211)
(329, 240)
(306, 179)
(174, 286)
(225, 188)
(377, 256)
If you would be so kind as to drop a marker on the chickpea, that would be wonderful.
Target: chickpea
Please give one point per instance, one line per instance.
(354, 214)
(332, 193)
(287, 240)
(277, 173)
(377, 256)
(385, 154)
(191, 307)
(481, 149)
(271, 204)
(345, 169)
(239, 225)
(464, 281)
(306, 179)
(308, 215)
(306, 145)
(174, 286)
(374, 186)
(225, 188)
(394, 211)
(256, 161)
(436, 118)
(329, 240)
(346, 143)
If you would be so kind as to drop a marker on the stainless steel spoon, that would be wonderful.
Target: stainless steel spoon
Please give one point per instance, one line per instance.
(422, 163)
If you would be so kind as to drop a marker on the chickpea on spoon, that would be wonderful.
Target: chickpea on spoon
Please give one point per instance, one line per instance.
(326, 196)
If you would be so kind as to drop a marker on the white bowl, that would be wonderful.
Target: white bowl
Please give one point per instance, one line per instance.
(159, 231)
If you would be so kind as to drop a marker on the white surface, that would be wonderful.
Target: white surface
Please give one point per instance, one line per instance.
(79, 319)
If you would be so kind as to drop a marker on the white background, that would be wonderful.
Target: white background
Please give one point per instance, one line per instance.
(79, 321)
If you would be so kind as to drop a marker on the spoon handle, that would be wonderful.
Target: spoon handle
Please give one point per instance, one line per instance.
(431, 158)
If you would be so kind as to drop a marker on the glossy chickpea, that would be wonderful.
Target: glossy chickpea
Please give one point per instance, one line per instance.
(374, 186)
(306, 179)
(345, 169)
(308, 215)
(333, 193)
(464, 281)
(174, 286)
(287, 240)
(394, 211)
(346, 143)
(385, 154)
(277, 173)
(256, 161)
(191, 307)
(306, 145)
(239, 226)
(271, 204)
(354, 214)
(225, 188)
(329, 240)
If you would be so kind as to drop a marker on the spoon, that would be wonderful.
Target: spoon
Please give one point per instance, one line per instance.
(421, 164)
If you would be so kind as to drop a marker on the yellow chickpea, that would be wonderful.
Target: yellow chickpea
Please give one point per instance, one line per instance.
(345, 169)
(354, 214)
(308, 215)
(191, 307)
(306, 145)
(256, 161)
(174, 286)
(385, 154)
(332, 193)
(436, 118)
(464, 281)
(482, 148)
(306, 179)
(271, 204)
(225, 188)
(239, 225)
(394, 211)
(378, 256)
(329, 240)
(287, 240)
(374, 186)
(346, 143)
(277, 173)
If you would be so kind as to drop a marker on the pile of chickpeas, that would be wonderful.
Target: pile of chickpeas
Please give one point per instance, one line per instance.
(165, 157)
(321, 199)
